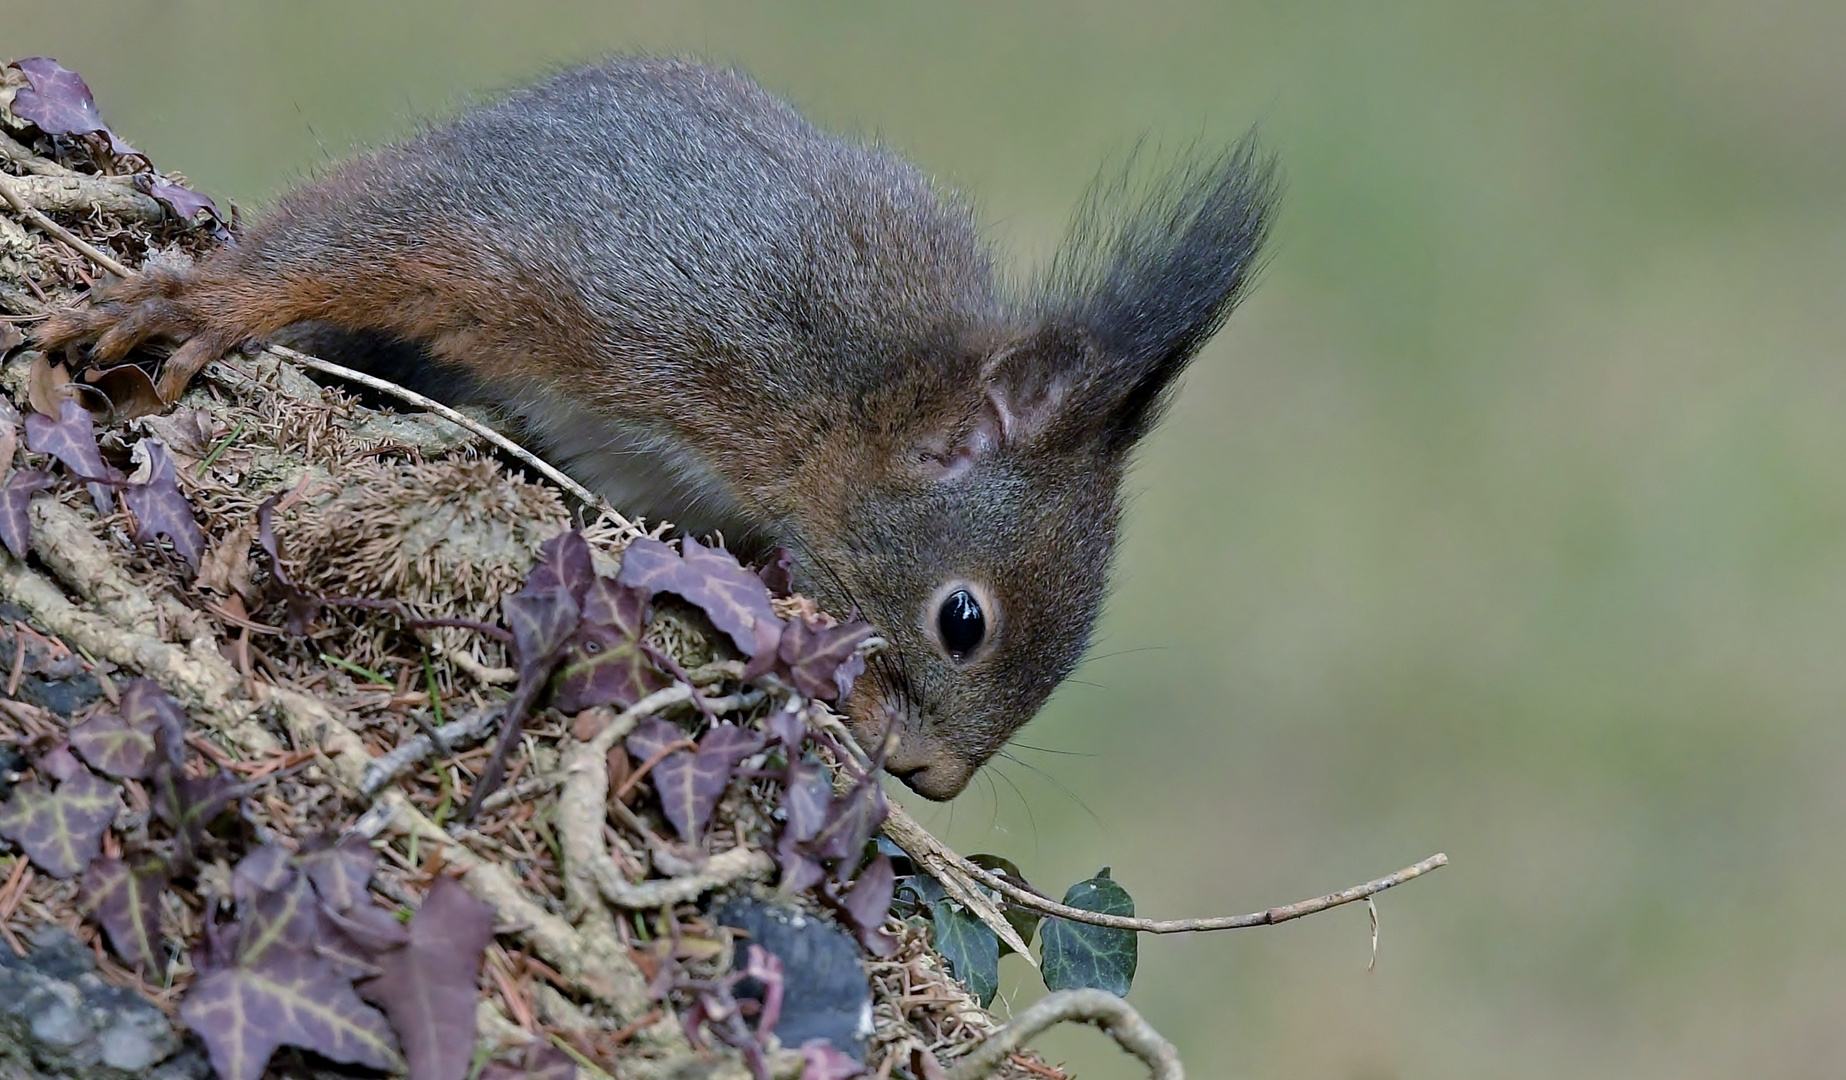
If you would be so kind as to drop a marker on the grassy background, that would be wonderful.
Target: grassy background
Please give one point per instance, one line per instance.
(1508, 517)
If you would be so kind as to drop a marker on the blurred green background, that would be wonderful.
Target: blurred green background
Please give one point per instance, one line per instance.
(1507, 518)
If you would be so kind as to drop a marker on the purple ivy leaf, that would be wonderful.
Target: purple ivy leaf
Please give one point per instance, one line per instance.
(340, 872)
(652, 736)
(267, 869)
(564, 560)
(114, 746)
(284, 919)
(605, 663)
(788, 728)
(733, 598)
(820, 1061)
(184, 203)
(147, 707)
(15, 498)
(61, 830)
(541, 620)
(428, 986)
(190, 804)
(736, 600)
(125, 897)
(800, 871)
(823, 661)
(650, 564)
(867, 903)
(690, 786)
(71, 438)
(851, 821)
(160, 508)
(730, 743)
(216, 948)
(58, 102)
(691, 783)
(806, 799)
(245, 1012)
(350, 958)
(60, 764)
(369, 926)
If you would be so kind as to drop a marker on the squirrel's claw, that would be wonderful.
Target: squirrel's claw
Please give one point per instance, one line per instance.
(127, 314)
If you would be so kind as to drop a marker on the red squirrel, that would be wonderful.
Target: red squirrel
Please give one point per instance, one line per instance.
(701, 306)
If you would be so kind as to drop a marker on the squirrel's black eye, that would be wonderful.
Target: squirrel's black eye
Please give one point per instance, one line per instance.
(961, 623)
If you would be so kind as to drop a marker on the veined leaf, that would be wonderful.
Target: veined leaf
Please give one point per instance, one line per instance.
(1074, 955)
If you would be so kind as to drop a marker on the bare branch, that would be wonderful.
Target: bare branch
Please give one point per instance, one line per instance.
(1116, 1017)
(17, 154)
(907, 833)
(77, 193)
(52, 228)
(948, 868)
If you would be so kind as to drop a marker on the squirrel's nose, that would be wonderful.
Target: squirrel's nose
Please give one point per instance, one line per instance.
(931, 771)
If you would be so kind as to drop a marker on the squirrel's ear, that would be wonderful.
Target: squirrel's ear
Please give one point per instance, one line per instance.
(1148, 274)
(1028, 384)
(1025, 386)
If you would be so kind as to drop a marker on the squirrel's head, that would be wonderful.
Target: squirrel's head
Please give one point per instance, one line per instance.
(986, 482)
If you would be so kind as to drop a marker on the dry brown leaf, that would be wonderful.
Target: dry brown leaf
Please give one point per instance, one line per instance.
(187, 431)
(129, 390)
(225, 569)
(45, 385)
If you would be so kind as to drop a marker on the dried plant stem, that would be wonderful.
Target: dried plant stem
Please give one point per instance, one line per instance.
(195, 673)
(457, 733)
(582, 810)
(1105, 1010)
(17, 154)
(76, 193)
(599, 966)
(383, 386)
(52, 228)
(926, 849)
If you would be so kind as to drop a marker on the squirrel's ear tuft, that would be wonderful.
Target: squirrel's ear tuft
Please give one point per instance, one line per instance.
(1148, 274)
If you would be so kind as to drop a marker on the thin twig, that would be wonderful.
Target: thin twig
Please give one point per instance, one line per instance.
(904, 830)
(457, 733)
(52, 228)
(1116, 1017)
(585, 495)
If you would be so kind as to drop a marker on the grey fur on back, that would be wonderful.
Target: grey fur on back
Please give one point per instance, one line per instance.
(724, 232)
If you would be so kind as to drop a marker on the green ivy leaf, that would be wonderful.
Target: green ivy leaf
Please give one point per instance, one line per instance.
(919, 890)
(1023, 920)
(1076, 955)
(972, 950)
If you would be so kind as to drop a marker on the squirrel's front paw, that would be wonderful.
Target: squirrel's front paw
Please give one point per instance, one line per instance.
(122, 315)
(154, 305)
